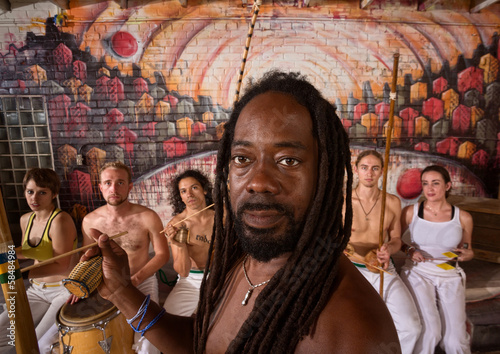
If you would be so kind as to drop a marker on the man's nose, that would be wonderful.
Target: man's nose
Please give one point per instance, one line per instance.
(263, 178)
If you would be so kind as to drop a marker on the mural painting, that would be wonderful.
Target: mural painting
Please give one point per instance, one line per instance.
(152, 86)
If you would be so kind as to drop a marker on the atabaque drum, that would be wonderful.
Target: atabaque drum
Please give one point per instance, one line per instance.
(93, 326)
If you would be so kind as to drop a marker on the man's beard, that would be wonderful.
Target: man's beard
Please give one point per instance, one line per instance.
(116, 202)
(266, 244)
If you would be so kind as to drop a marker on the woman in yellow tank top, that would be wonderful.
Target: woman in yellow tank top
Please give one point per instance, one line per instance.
(47, 232)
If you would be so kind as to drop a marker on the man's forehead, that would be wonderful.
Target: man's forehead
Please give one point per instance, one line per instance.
(370, 160)
(106, 174)
(189, 182)
(274, 112)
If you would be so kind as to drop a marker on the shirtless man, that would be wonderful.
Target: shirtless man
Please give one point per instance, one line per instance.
(367, 203)
(143, 226)
(190, 192)
(278, 281)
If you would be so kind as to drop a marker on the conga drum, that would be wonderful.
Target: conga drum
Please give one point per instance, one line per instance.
(93, 325)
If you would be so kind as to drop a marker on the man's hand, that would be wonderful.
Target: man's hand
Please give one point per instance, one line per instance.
(72, 299)
(383, 256)
(171, 232)
(115, 268)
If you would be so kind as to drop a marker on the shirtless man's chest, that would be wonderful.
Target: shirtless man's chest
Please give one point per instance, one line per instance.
(365, 230)
(231, 314)
(135, 242)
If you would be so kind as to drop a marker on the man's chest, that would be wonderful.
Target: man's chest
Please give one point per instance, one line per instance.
(232, 314)
(137, 235)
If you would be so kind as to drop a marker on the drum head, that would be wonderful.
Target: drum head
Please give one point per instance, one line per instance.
(86, 311)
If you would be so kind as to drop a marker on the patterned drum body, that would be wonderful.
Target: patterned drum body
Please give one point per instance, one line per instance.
(93, 326)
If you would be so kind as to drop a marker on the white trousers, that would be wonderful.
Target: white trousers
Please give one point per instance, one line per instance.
(441, 304)
(184, 297)
(141, 344)
(400, 304)
(45, 300)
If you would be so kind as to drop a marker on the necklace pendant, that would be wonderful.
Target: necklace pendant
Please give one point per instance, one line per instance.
(367, 219)
(247, 296)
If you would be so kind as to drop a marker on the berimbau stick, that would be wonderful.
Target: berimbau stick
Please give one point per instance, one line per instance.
(187, 217)
(386, 160)
(256, 8)
(83, 248)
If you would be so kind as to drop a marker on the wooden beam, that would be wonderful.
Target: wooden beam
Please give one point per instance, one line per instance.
(63, 4)
(363, 4)
(478, 5)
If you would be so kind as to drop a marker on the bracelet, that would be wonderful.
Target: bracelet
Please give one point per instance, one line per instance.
(406, 249)
(142, 311)
(160, 315)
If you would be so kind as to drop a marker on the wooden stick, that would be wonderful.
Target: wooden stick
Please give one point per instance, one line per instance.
(14, 291)
(199, 211)
(256, 7)
(386, 160)
(357, 259)
(83, 248)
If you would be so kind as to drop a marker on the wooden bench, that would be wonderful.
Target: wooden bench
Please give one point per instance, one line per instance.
(486, 233)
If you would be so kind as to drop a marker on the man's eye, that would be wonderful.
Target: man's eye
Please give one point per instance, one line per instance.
(239, 160)
(288, 161)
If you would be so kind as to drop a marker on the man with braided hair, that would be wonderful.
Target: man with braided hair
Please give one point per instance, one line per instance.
(278, 281)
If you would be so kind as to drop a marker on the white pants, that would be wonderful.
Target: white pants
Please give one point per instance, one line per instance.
(141, 344)
(400, 304)
(45, 300)
(184, 297)
(441, 304)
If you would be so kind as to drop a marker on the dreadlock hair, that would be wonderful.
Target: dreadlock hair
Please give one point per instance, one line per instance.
(175, 195)
(288, 306)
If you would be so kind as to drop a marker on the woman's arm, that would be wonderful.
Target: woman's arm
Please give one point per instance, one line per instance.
(464, 249)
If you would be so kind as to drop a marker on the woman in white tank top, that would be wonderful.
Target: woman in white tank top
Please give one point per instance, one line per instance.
(439, 232)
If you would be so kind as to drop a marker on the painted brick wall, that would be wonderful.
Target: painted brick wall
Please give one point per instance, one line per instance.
(152, 85)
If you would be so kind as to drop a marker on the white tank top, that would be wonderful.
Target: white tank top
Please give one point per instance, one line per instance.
(433, 239)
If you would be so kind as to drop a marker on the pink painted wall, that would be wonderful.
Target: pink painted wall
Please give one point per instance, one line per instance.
(151, 84)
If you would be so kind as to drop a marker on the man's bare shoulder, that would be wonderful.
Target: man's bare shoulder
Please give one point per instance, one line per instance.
(355, 320)
(137, 208)
(95, 214)
(393, 201)
(178, 217)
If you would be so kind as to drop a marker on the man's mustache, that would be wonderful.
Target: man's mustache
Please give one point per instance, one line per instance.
(250, 206)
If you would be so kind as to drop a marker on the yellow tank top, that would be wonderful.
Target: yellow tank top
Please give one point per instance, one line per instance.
(43, 250)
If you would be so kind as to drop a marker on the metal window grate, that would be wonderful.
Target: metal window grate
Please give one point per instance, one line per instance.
(25, 142)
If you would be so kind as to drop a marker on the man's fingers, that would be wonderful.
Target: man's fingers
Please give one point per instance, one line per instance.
(90, 253)
(94, 233)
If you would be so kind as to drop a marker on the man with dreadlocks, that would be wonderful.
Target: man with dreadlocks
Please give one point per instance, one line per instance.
(279, 282)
